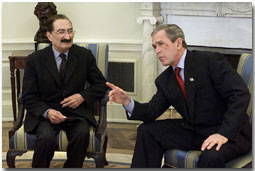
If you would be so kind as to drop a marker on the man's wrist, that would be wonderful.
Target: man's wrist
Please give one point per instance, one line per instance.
(127, 102)
(45, 114)
(130, 107)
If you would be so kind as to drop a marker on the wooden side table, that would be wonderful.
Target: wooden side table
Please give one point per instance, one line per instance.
(16, 63)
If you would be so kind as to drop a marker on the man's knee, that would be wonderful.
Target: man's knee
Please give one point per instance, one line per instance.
(81, 133)
(47, 141)
(145, 129)
(142, 128)
(211, 158)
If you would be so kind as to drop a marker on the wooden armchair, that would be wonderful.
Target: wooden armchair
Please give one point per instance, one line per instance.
(20, 142)
(188, 159)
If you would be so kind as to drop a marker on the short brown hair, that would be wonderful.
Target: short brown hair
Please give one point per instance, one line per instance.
(173, 32)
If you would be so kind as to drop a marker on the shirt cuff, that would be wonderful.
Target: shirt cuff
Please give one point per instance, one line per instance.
(45, 114)
(130, 107)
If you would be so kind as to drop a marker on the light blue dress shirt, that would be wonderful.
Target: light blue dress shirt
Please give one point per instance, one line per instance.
(58, 60)
(181, 65)
(131, 105)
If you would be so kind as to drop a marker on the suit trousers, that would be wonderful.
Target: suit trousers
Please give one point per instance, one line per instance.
(154, 138)
(77, 131)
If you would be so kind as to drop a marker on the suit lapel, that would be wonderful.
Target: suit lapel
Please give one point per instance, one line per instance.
(71, 64)
(51, 65)
(190, 78)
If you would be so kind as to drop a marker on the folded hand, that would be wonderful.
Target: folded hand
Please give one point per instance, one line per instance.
(72, 101)
(55, 116)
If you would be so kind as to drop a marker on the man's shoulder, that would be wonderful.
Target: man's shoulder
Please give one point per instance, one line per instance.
(204, 55)
(39, 53)
(165, 74)
(80, 51)
(206, 59)
(77, 47)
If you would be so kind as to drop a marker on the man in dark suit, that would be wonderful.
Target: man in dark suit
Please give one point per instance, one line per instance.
(212, 100)
(55, 97)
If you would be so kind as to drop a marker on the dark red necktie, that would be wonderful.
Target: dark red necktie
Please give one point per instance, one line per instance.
(180, 81)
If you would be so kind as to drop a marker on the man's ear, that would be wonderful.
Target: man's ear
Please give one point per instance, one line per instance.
(179, 42)
(49, 35)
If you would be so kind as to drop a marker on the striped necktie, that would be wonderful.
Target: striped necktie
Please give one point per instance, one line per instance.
(62, 67)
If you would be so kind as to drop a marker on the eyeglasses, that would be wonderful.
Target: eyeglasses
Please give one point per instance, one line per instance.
(62, 32)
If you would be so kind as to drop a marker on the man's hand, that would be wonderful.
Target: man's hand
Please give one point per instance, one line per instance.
(72, 101)
(55, 116)
(118, 95)
(212, 141)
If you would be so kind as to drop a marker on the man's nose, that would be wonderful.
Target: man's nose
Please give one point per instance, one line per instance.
(67, 36)
(157, 50)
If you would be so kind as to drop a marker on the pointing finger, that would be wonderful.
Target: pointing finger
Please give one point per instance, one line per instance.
(112, 86)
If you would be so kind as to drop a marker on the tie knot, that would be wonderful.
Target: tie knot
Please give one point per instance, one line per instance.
(63, 56)
(177, 70)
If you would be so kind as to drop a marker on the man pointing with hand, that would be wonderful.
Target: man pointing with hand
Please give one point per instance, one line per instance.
(209, 94)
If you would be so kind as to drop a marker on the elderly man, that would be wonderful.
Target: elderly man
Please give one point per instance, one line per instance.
(55, 97)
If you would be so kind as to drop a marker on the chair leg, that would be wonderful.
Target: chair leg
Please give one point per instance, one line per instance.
(165, 166)
(100, 159)
(11, 155)
(249, 165)
(104, 147)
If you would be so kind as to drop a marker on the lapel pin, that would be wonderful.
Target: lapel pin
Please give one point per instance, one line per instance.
(191, 79)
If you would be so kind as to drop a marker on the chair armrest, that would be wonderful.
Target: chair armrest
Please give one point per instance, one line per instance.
(100, 108)
(18, 123)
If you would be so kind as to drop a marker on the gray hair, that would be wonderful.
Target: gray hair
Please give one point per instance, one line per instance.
(173, 32)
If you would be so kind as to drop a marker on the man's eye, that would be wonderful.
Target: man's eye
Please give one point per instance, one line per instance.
(61, 31)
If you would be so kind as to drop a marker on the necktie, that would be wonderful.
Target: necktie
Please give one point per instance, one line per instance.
(180, 81)
(62, 67)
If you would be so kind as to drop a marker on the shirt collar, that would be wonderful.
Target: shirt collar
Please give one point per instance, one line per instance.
(182, 60)
(57, 53)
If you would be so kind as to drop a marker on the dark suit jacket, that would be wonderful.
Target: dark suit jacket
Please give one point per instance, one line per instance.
(217, 97)
(42, 88)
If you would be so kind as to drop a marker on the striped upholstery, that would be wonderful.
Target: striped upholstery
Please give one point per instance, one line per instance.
(181, 159)
(188, 159)
(100, 51)
(24, 141)
(244, 68)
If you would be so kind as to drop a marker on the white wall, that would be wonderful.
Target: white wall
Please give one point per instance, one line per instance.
(109, 22)
(91, 20)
